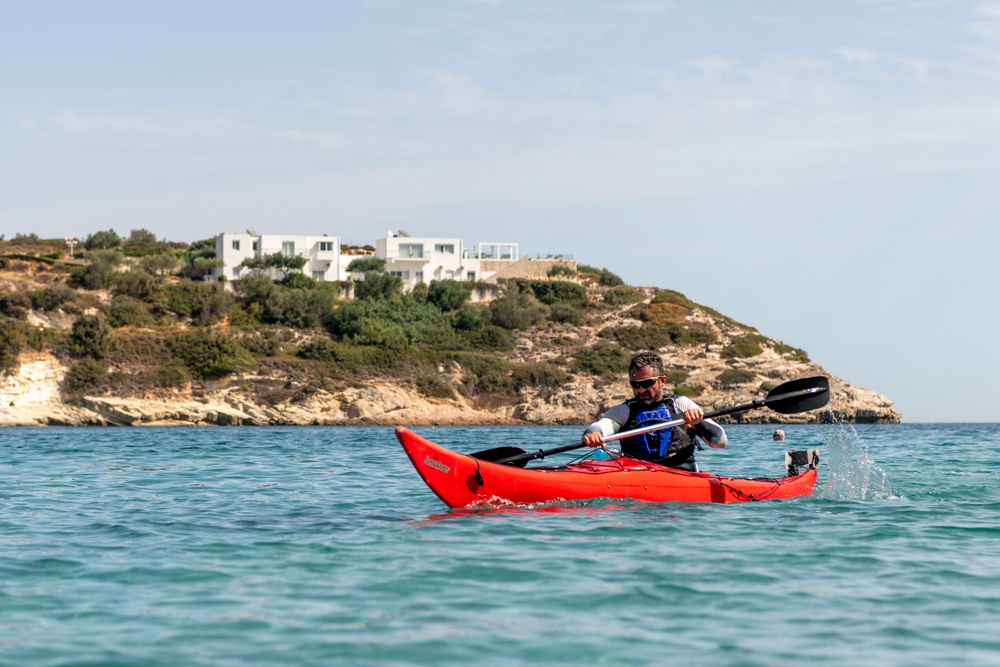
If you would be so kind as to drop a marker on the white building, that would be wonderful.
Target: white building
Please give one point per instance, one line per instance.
(413, 260)
(416, 260)
(322, 253)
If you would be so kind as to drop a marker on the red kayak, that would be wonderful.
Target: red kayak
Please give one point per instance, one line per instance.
(461, 480)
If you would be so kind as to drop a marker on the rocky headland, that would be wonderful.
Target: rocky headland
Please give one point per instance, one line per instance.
(31, 393)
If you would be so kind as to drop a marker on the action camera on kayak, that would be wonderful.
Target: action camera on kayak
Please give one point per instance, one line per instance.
(801, 458)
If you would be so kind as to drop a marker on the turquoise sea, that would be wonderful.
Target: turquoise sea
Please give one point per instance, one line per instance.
(322, 546)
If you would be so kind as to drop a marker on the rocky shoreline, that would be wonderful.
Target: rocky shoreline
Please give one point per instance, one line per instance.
(31, 397)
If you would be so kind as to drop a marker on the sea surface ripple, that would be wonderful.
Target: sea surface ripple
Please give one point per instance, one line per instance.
(321, 546)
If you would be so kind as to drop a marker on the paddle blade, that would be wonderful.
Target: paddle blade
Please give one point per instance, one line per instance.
(500, 453)
(799, 395)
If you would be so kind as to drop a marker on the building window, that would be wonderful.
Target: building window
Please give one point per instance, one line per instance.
(288, 248)
(255, 246)
(445, 248)
(318, 275)
(404, 275)
(471, 275)
(236, 245)
(326, 246)
(411, 249)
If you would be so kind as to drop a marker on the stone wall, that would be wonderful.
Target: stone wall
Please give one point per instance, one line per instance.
(526, 267)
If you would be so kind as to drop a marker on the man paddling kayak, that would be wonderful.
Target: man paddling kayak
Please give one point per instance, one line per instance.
(672, 447)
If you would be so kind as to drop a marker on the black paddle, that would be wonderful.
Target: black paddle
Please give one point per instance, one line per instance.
(789, 398)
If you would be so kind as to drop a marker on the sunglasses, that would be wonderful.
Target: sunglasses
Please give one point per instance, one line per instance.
(642, 384)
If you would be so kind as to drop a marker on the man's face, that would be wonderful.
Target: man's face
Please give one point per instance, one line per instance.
(647, 387)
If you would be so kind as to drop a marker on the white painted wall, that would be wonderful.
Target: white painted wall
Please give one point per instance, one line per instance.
(322, 252)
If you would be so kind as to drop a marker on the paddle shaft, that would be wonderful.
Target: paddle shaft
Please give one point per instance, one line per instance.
(542, 453)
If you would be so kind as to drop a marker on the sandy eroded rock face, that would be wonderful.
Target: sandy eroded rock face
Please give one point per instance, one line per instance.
(30, 395)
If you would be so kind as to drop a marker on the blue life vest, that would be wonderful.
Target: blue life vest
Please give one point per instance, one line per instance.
(669, 446)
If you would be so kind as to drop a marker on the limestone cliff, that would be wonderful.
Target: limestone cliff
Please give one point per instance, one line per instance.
(30, 396)
(737, 366)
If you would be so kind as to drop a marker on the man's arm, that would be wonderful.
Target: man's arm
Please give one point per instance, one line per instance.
(706, 429)
(607, 425)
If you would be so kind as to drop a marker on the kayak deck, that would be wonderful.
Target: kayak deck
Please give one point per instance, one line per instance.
(461, 480)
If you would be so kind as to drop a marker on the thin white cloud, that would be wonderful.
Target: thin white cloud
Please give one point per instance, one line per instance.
(711, 65)
(987, 22)
(857, 56)
(920, 66)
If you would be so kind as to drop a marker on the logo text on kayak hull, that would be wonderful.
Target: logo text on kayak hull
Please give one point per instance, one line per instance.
(437, 465)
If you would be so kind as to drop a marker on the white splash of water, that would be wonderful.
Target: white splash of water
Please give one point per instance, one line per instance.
(851, 472)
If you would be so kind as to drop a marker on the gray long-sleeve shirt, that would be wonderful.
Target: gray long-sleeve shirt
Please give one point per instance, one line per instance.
(711, 433)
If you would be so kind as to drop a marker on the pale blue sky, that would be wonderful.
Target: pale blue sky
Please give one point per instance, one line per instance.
(824, 171)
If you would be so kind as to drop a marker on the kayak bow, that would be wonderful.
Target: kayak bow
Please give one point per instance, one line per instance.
(460, 480)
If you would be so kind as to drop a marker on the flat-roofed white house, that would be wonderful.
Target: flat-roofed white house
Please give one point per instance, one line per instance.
(322, 253)
(413, 260)
(425, 259)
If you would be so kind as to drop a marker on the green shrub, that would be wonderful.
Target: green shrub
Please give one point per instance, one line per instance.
(377, 286)
(743, 347)
(53, 297)
(277, 303)
(538, 374)
(350, 357)
(603, 276)
(17, 336)
(676, 298)
(210, 303)
(176, 299)
(517, 310)
(262, 345)
(381, 333)
(471, 317)
(433, 386)
(105, 240)
(676, 377)
(84, 375)
(298, 281)
(91, 336)
(793, 352)
(13, 340)
(160, 264)
(689, 391)
(622, 295)
(732, 377)
(15, 304)
(482, 372)
(100, 272)
(555, 291)
(128, 312)
(561, 270)
(398, 322)
(40, 259)
(566, 313)
(366, 265)
(448, 295)
(638, 338)
(208, 355)
(169, 375)
(136, 284)
(206, 303)
(491, 337)
(142, 242)
(319, 349)
(602, 359)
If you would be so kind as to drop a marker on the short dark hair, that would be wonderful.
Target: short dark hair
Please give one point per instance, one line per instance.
(646, 359)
